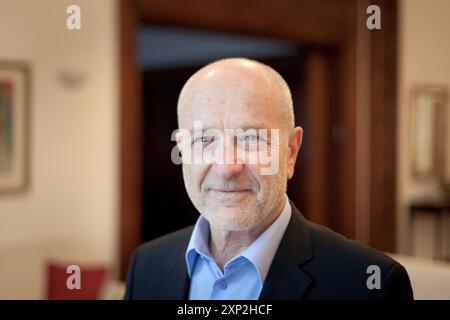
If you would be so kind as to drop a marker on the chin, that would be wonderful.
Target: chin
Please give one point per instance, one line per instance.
(232, 226)
(232, 219)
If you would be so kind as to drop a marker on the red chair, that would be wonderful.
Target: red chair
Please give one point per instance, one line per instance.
(92, 280)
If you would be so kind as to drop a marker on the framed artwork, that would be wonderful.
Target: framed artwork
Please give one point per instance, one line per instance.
(14, 126)
(428, 131)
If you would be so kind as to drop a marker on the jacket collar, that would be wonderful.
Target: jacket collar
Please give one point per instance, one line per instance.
(286, 279)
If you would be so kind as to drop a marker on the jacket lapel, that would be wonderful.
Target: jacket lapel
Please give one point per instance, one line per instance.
(286, 279)
(178, 288)
(176, 276)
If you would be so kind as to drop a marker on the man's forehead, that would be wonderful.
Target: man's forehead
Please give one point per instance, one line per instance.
(228, 94)
(232, 116)
(239, 96)
(224, 80)
(244, 125)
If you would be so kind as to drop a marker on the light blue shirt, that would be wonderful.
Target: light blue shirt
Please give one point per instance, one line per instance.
(244, 275)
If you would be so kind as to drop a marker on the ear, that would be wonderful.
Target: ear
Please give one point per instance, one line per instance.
(294, 144)
(179, 141)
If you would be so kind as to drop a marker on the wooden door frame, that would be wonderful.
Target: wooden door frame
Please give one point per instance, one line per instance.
(313, 24)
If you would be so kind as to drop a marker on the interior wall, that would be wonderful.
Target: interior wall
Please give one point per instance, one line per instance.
(424, 51)
(69, 211)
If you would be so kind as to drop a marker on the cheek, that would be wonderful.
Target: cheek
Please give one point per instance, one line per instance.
(267, 183)
(197, 174)
(259, 180)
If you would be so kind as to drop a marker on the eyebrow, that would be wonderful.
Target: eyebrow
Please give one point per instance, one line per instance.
(245, 127)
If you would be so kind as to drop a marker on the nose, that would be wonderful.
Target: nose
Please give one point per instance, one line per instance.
(227, 165)
(226, 171)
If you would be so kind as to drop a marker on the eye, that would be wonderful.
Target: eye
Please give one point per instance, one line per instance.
(206, 139)
(251, 138)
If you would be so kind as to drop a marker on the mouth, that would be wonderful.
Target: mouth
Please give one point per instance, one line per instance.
(230, 194)
(230, 190)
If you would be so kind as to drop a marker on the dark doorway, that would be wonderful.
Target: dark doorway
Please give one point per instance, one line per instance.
(333, 85)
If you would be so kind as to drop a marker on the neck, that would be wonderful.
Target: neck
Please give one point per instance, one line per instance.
(224, 245)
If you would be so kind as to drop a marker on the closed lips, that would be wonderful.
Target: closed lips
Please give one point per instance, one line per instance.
(223, 190)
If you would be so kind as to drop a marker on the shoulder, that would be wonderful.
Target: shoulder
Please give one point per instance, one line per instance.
(165, 246)
(331, 245)
(347, 265)
(154, 263)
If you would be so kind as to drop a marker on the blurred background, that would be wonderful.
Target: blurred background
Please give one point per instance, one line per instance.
(86, 118)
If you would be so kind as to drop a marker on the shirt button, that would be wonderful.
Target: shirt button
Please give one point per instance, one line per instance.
(222, 285)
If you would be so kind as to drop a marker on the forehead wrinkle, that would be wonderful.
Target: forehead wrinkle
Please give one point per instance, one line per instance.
(219, 92)
(220, 78)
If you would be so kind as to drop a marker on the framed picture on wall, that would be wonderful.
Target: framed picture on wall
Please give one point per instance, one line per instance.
(428, 131)
(14, 126)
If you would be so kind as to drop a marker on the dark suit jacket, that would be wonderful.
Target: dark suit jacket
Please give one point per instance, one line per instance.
(312, 262)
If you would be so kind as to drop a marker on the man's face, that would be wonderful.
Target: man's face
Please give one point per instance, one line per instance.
(235, 195)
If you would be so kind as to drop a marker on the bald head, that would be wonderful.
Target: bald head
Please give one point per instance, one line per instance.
(224, 84)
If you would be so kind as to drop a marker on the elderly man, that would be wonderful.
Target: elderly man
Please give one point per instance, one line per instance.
(250, 241)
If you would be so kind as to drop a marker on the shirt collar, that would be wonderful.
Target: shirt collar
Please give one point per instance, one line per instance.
(260, 252)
